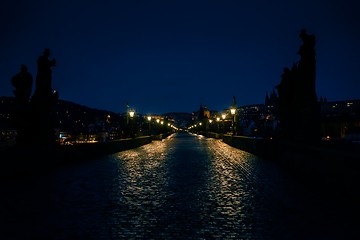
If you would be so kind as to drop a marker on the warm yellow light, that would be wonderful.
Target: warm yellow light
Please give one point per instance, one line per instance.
(233, 111)
(157, 120)
(131, 113)
(223, 116)
(217, 119)
(200, 124)
(210, 120)
(162, 122)
(149, 118)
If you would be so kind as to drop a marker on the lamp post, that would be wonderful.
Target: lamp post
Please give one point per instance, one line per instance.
(131, 115)
(233, 124)
(149, 119)
(218, 120)
(223, 118)
(157, 126)
(233, 113)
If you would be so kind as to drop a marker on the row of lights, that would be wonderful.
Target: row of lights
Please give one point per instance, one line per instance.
(132, 114)
(232, 111)
(223, 116)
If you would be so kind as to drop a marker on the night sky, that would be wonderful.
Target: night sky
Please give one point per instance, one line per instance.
(164, 56)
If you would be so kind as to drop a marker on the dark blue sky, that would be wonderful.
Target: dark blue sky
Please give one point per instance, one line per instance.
(164, 56)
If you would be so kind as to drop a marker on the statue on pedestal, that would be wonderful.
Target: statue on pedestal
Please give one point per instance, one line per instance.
(299, 111)
(44, 99)
(44, 75)
(22, 83)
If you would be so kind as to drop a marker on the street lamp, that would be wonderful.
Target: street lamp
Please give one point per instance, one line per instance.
(208, 126)
(149, 119)
(218, 120)
(223, 118)
(233, 112)
(132, 113)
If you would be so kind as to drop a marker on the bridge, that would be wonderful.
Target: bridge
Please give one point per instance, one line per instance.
(183, 187)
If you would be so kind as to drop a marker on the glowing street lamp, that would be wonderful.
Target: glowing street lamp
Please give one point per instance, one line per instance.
(223, 118)
(149, 119)
(132, 122)
(132, 113)
(218, 127)
(233, 113)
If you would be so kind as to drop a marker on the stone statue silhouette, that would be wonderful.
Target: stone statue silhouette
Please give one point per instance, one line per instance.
(44, 74)
(307, 51)
(44, 99)
(286, 101)
(22, 83)
(299, 110)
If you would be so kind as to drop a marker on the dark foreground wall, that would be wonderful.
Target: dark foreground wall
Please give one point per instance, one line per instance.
(31, 159)
(214, 135)
(89, 150)
(324, 165)
(337, 165)
(258, 146)
(160, 136)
